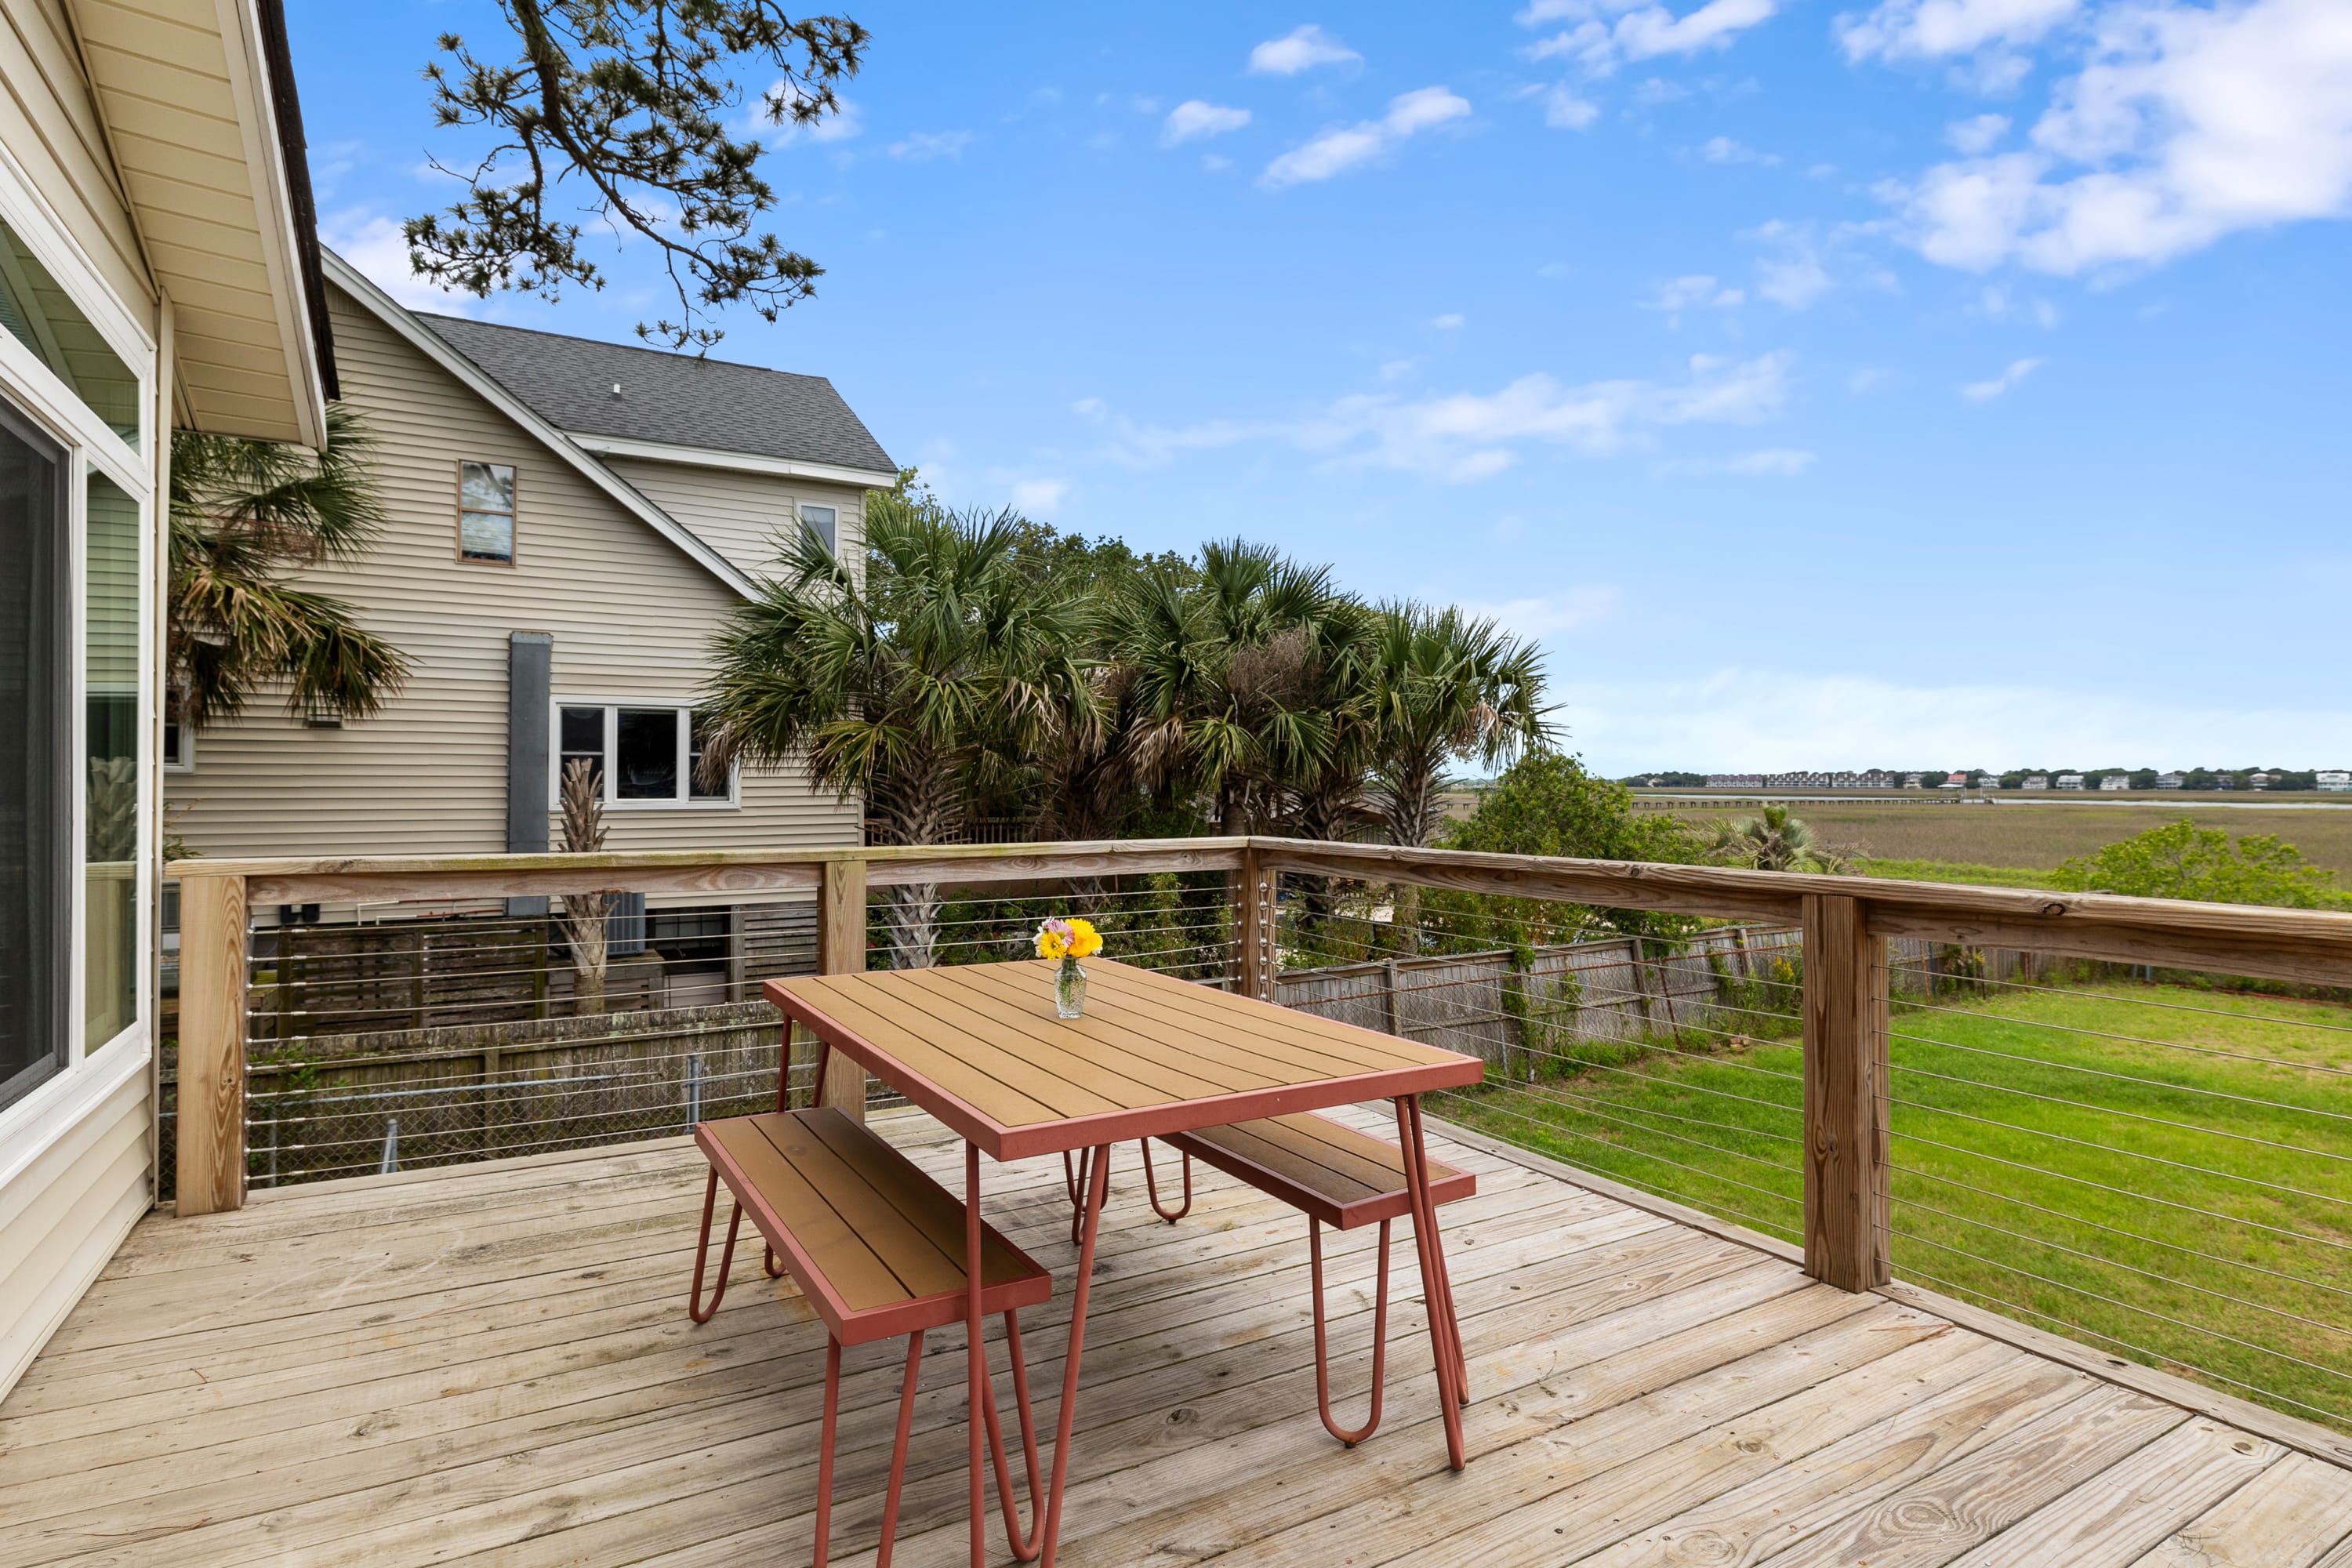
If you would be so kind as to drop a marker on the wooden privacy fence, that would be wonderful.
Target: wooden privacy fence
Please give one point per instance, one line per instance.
(1844, 928)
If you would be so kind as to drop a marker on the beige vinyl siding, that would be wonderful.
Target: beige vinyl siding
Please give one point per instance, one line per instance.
(629, 611)
(50, 127)
(740, 514)
(62, 1216)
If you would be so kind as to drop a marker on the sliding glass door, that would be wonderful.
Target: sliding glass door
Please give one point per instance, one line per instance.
(36, 849)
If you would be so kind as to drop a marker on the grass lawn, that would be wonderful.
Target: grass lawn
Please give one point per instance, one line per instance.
(2058, 1157)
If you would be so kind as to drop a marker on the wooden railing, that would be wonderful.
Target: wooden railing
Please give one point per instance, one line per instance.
(1846, 924)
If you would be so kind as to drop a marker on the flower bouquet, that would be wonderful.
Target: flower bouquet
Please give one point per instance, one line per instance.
(1069, 940)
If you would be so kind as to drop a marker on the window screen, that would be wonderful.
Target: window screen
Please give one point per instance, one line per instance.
(486, 504)
(647, 755)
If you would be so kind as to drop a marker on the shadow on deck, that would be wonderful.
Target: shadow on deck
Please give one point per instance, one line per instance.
(496, 1362)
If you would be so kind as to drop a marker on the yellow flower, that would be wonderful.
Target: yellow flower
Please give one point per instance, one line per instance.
(1059, 938)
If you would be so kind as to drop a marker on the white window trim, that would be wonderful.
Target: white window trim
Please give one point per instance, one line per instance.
(185, 762)
(613, 802)
(46, 1114)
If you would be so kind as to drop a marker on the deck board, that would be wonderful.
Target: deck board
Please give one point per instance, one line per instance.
(496, 1364)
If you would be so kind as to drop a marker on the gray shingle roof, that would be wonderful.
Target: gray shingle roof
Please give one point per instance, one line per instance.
(672, 398)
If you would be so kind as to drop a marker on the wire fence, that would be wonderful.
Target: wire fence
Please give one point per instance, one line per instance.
(2155, 1162)
(396, 1035)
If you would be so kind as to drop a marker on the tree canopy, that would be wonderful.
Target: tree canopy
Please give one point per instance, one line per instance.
(630, 99)
(2182, 860)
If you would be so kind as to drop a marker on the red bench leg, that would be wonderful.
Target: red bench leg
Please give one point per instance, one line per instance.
(825, 1446)
(1076, 1180)
(1380, 1338)
(898, 1452)
(1152, 1187)
(1443, 1337)
(694, 1307)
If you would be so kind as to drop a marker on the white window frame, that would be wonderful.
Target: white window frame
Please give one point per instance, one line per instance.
(32, 1122)
(611, 706)
(185, 761)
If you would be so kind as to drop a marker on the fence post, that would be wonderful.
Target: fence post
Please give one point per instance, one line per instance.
(1255, 918)
(1846, 1155)
(840, 950)
(211, 1173)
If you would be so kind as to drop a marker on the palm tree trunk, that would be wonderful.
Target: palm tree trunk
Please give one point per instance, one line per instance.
(920, 808)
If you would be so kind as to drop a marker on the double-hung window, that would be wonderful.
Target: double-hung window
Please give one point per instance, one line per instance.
(643, 753)
(486, 512)
(824, 522)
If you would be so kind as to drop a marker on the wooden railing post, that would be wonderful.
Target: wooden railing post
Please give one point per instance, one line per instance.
(211, 1173)
(1846, 1110)
(840, 950)
(1254, 919)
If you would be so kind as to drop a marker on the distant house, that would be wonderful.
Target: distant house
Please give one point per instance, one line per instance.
(2112, 782)
(2258, 781)
(1735, 781)
(1954, 781)
(2070, 781)
(2036, 780)
(2168, 780)
(1911, 780)
(2225, 781)
(2334, 779)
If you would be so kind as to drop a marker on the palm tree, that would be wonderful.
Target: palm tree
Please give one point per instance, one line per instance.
(1776, 841)
(1439, 687)
(942, 672)
(1222, 680)
(1442, 686)
(245, 515)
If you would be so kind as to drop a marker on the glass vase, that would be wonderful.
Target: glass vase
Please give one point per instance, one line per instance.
(1070, 989)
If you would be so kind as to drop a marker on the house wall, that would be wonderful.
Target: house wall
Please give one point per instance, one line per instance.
(74, 1158)
(740, 514)
(630, 613)
(50, 126)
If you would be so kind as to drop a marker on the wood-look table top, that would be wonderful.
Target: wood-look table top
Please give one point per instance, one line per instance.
(978, 1047)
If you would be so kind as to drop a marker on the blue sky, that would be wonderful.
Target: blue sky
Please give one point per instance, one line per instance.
(1952, 383)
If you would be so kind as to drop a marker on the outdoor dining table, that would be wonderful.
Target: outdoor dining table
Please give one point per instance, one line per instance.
(981, 1047)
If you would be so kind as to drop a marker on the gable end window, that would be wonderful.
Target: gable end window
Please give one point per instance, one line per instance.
(486, 512)
(643, 753)
(822, 521)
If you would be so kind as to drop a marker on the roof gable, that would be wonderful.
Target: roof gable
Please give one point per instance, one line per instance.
(405, 323)
(670, 399)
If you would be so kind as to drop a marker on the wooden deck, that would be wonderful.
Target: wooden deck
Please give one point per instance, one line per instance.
(496, 1364)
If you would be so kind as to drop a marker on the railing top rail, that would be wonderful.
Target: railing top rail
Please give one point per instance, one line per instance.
(393, 878)
(2308, 946)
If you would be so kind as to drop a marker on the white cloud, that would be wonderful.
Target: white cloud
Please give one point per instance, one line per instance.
(1039, 497)
(374, 245)
(1467, 437)
(1794, 275)
(1571, 609)
(1452, 322)
(1302, 49)
(1608, 32)
(1196, 118)
(1743, 719)
(1724, 149)
(1782, 461)
(1335, 150)
(1564, 111)
(1696, 291)
(1928, 29)
(2186, 124)
(1975, 136)
(1986, 390)
(925, 145)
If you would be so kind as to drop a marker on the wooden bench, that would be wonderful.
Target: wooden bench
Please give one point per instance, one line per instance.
(1336, 1176)
(877, 1248)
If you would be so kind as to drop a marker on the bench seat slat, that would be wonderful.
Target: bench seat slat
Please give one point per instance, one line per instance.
(875, 1245)
(1331, 1172)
